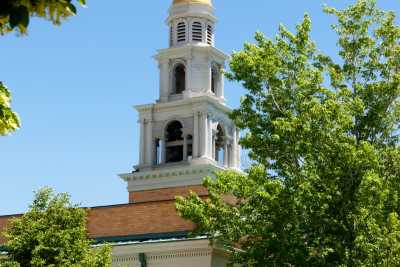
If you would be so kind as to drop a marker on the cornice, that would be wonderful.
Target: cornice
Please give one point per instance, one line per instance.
(164, 176)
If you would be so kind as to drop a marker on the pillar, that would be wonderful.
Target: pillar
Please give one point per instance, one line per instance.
(196, 135)
(142, 142)
(163, 150)
(209, 137)
(226, 154)
(234, 149)
(149, 143)
(238, 149)
(185, 150)
(213, 146)
(203, 134)
(164, 80)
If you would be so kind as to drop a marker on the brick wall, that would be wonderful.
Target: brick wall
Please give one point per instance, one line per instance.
(129, 219)
(165, 194)
(136, 219)
(149, 212)
(3, 225)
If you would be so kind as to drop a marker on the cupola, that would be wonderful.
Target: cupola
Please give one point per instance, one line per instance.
(191, 22)
(188, 2)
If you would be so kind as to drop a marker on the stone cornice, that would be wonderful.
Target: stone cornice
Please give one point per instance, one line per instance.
(165, 176)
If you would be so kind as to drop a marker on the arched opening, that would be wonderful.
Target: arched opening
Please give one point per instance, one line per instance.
(220, 152)
(174, 142)
(214, 79)
(179, 79)
(197, 31)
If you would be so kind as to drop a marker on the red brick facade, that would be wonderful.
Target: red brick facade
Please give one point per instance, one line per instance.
(165, 194)
(131, 219)
(136, 219)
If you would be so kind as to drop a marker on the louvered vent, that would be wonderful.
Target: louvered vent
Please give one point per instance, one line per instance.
(209, 35)
(181, 36)
(197, 32)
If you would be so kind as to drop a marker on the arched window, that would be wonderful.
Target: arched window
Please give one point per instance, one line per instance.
(181, 32)
(214, 79)
(220, 152)
(179, 79)
(209, 34)
(197, 31)
(174, 142)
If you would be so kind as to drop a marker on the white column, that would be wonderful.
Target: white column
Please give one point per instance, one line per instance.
(196, 135)
(149, 143)
(221, 83)
(226, 154)
(185, 151)
(238, 149)
(203, 134)
(209, 136)
(189, 83)
(213, 146)
(142, 142)
(163, 150)
(164, 80)
(234, 149)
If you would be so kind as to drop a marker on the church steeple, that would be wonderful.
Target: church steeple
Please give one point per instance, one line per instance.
(191, 66)
(187, 134)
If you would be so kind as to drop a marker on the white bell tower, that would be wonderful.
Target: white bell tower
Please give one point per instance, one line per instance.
(187, 134)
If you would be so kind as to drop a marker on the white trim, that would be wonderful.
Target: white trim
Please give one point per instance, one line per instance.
(171, 175)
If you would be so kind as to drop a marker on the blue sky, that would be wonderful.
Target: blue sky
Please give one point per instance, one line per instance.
(74, 87)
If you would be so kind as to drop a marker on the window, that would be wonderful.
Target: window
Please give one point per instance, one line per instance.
(197, 31)
(174, 142)
(209, 34)
(214, 79)
(181, 32)
(179, 79)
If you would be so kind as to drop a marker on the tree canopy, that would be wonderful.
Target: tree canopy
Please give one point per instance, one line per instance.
(325, 135)
(16, 14)
(52, 233)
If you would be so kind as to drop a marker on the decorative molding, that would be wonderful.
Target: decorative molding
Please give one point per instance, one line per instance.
(171, 175)
(192, 253)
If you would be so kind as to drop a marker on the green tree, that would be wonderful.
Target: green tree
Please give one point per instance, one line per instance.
(325, 135)
(52, 233)
(15, 16)
(8, 119)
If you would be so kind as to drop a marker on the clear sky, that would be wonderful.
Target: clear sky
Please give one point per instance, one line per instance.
(74, 87)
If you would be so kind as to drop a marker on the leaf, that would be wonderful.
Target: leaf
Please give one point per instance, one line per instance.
(19, 16)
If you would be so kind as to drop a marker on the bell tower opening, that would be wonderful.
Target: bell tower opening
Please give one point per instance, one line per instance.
(179, 79)
(174, 142)
(220, 152)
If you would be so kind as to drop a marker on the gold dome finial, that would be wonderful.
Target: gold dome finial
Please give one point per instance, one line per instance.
(204, 2)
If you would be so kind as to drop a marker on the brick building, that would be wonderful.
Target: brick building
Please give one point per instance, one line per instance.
(184, 136)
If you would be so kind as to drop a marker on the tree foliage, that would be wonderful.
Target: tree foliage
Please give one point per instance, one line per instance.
(9, 121)
(325, 134)
(16, 14)
(52, 233)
